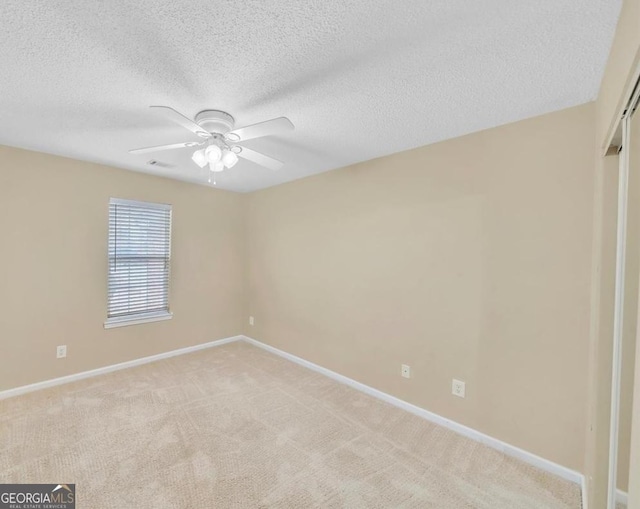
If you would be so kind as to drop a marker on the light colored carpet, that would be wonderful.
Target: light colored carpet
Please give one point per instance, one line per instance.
(237, 427)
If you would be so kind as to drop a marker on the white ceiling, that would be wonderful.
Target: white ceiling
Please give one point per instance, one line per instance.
(359, 79)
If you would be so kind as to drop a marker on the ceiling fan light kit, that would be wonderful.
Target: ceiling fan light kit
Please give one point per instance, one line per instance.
(221, 139)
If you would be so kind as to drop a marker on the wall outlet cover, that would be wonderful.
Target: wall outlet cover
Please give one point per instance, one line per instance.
(61, 351)
(458, 388)
(251, 320)
(405, 371)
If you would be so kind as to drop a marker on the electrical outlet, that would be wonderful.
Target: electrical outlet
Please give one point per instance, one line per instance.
(61, 351)
(405, 370)
(251, 320)
(457, 388)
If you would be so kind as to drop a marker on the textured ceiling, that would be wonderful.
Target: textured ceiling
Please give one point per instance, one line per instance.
(359, 79)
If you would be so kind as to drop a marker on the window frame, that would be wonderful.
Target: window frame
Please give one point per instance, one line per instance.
(144, 316)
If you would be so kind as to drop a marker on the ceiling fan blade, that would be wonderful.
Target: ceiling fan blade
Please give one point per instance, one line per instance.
(165, 147)
(267, 128)
(261, 159)
(180, 119)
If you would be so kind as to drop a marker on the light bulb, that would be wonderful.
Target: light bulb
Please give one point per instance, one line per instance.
(229, 158)
(199, 158)
(213, 153)
(216, 167)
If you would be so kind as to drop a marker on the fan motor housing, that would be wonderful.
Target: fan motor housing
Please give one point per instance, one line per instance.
(215, 121)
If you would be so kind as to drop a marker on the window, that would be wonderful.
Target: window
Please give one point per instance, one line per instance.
(139, 258)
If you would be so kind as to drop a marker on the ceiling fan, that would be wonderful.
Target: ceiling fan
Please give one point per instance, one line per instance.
(220, 140)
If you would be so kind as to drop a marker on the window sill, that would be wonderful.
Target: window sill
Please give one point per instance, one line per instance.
(137, 319)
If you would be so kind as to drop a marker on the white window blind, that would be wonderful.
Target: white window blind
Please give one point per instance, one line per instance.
(139, 261)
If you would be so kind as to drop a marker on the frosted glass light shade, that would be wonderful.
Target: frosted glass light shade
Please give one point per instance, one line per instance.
(229, 158)
(213, 153)
(199, 158)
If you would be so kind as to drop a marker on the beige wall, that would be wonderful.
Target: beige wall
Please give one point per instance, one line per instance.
(53, 266)
(468, 259)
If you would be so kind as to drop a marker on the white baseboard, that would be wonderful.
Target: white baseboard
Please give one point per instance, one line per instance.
(494, 443)
(114, 367)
